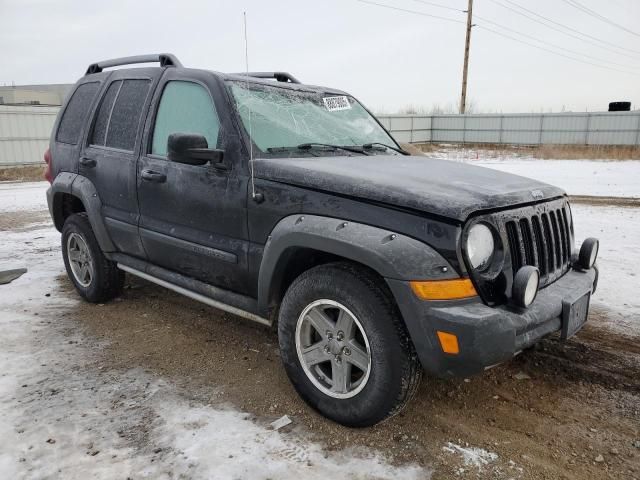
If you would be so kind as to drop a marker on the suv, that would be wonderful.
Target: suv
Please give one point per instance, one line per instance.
(290, 205)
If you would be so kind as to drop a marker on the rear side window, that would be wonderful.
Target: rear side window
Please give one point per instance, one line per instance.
(119, 114)
(104, 112)
(185, 107)
(75, 115)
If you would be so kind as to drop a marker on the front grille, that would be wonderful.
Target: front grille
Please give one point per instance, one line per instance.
(540, 237)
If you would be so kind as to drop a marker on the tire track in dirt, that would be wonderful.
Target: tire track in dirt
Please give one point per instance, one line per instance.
(580, 402)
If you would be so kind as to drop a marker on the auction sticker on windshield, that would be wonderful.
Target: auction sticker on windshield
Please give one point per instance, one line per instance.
(336, 103)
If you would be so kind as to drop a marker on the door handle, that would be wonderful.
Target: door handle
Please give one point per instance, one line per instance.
(88, 162)
(151, 176)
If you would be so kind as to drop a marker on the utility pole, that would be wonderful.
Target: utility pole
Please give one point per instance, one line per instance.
(465, 69)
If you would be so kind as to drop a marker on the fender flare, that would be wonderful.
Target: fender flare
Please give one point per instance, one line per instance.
(83, 189)
(391, 255)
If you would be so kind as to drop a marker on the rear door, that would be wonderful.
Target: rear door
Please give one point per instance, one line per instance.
(71, 123)
(193, 217)
(112, 148)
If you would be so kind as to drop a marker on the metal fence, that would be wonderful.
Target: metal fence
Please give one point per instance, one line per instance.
(25, 130)
(602, 128)
(24, 133)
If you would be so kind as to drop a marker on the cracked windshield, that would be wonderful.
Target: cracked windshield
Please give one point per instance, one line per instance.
(287, 121)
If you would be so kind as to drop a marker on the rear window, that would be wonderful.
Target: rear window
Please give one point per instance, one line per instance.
(119, 114)
(75, 115)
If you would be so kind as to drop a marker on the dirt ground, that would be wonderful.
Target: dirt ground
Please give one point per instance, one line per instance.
(29, 173)
(546, 152)
(559, 411)
(576, 415)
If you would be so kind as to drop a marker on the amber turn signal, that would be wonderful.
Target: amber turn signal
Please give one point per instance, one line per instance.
(444, 289)
(448, 342)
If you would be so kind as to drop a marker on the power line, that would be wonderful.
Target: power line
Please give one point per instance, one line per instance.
(501, 34)
(439, 5)
(593, 13)
(566, 28)
(411, 11)
(554, 52)
(553, 45)
(609, 44)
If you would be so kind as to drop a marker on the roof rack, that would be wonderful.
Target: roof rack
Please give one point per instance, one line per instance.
(165, 60)
(279, 76)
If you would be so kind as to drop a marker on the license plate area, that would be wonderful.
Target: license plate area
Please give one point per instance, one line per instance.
(574, 315)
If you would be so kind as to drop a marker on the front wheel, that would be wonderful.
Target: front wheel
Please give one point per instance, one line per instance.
(345, 347)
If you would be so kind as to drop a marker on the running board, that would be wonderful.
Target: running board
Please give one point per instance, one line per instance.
(196, 296)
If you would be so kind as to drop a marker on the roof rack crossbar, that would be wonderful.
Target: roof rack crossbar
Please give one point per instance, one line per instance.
(279, 76)
(165, 60)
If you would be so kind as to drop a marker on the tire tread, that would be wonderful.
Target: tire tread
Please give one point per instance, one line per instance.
(408, 366)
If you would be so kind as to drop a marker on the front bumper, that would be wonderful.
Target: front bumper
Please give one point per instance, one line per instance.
(486, 335)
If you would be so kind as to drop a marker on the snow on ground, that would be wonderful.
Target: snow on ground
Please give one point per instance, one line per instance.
(618, 229)
(61, 415)
(471, 456)
(22, 196)
(64, 416)
(578, 177)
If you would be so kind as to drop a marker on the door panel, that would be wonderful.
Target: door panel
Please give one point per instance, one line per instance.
(192, 220)
(109, 159)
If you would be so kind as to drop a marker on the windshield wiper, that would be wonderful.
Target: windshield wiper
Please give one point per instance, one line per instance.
(309, 146)
(370, 146)
(287, 149)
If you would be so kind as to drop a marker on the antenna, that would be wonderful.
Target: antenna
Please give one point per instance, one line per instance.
(256, 197)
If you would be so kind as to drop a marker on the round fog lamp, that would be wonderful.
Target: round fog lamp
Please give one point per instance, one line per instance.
(588, 253)
(525, 286)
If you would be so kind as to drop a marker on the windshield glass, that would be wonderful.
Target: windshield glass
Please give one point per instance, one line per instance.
(286, 118)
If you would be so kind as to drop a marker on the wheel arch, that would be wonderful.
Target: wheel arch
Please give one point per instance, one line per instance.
(71, 193)
(300, 242)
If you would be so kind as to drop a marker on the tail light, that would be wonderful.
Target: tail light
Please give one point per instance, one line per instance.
(48, 174)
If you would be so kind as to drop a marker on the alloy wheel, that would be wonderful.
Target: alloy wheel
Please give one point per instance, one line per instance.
(333, 348)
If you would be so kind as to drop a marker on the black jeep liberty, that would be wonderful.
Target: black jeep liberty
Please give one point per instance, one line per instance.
(291, 205)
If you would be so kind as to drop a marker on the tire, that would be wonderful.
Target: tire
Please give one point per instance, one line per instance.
(347, 295)
(104, 281)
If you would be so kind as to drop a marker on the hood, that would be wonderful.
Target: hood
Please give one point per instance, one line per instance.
(450, 189)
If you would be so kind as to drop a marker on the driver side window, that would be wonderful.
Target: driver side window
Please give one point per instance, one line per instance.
(185, 107)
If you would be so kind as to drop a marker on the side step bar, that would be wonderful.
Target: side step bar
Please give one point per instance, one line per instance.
(196, 296)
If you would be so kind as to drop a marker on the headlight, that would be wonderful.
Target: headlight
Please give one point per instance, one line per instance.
(480, 246)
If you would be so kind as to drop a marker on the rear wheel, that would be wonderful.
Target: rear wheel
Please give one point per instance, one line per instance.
(96, 278)
(345, 347)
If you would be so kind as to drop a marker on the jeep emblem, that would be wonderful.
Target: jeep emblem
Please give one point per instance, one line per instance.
(537, 194)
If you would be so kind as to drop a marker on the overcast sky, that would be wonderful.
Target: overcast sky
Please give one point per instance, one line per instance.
(389, 59)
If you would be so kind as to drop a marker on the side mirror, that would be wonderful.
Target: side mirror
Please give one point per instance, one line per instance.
(193, 149)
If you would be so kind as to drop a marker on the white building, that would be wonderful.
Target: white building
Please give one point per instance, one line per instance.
(53, 94)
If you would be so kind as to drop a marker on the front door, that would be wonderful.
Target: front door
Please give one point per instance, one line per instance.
(192, 217)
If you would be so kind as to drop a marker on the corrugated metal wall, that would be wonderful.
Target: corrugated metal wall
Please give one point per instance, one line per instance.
(602, 128)
(25, 130)
(24, 133)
